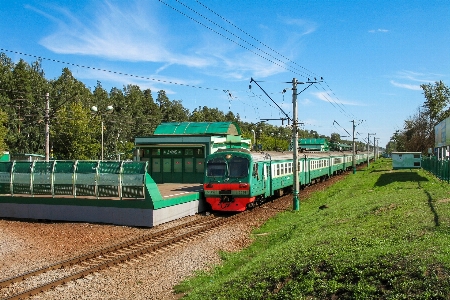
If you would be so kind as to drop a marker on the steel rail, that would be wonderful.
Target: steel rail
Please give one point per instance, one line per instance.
(209, 224)
(96, 253)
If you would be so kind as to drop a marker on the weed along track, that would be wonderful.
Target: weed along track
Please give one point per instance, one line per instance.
(36, 281)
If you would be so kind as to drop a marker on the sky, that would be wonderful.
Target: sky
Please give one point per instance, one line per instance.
(372, 55)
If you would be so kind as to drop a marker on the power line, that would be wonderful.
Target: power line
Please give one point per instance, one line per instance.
(240, 45)
(109, 71)
(249, 35)
(238, 37)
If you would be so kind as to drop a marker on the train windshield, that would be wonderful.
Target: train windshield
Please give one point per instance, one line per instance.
(216, 167)
(232, 167)
(238, 167)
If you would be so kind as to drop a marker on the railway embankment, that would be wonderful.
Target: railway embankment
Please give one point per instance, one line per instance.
(377, 234)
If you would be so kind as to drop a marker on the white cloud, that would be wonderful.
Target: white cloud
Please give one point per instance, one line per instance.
(406, 86)
(417, 77)
(305, 27)
(127, 33)
(325, 96)
(378, 30)
(137, 32)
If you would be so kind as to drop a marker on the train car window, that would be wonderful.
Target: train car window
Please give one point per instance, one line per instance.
(238, 167)
(255, 170)
(278, 169)
(285, 168)
(216, 167)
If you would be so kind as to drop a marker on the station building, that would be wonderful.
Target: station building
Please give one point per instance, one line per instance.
(176, 152)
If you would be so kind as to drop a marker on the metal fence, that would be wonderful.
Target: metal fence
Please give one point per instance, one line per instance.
(440, 168)
(99, 179)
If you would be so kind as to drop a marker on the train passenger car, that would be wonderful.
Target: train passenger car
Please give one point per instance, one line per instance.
(237, 179)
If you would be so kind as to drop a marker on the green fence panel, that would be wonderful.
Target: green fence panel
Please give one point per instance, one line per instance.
(63, 178)
(42, 177)
(439, 168)
(5, 177)
(86, 178)
(108, 180)
(99, 179)
(133, 179)
(22, 177)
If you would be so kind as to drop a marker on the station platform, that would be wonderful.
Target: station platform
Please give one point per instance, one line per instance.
(129, 198)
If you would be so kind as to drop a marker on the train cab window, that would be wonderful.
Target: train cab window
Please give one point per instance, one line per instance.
(216, 167)
(238, 167)
(255, 170)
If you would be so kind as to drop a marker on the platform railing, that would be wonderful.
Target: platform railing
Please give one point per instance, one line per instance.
(83, 179)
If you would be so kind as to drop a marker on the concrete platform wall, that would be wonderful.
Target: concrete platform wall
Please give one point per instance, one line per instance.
(94, 214)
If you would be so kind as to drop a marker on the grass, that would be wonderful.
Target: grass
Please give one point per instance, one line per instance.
(384, 235)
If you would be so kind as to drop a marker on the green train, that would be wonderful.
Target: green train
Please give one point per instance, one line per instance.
(237, 179)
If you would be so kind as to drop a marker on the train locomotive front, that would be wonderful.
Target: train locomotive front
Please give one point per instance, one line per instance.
(229, 177)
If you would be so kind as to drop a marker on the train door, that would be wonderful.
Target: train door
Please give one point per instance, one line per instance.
(267, 180)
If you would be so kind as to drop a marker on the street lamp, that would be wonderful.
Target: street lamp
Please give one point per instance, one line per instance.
(109, 109)
(254, 139)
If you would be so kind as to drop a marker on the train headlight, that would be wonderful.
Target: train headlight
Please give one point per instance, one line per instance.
(243, 185)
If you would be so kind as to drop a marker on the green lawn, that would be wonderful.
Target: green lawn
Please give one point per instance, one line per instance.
(384, 235)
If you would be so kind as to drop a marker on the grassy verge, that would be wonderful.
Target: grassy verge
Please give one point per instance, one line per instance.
(384, 234)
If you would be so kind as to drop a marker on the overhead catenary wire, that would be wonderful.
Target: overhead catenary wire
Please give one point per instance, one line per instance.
(310, 73)
(229, 39)
(236, 36)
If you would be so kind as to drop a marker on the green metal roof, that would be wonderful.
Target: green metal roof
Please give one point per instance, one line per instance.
(196, 128)
(313, 142)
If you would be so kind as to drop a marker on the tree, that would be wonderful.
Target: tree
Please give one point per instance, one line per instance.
(75, 133)
(418, 132)
(3, 131)
(437, 101)
(171, 111)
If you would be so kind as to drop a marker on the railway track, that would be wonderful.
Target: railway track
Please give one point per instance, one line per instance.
(36, 281)
(81, 266)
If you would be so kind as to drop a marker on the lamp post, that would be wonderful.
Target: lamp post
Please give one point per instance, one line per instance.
(254, 138)
(109, 109)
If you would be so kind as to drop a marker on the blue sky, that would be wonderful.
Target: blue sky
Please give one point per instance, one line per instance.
(373, 55)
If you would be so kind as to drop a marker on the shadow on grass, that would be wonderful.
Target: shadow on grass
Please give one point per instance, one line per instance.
(389, 178)
(433, 210)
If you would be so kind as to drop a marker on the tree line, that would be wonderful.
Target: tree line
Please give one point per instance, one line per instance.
(418, 134)
(76, 131)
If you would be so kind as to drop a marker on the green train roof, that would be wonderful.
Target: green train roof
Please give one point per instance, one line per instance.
(198, 128)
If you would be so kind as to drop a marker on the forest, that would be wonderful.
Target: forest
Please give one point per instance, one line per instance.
(128, 112)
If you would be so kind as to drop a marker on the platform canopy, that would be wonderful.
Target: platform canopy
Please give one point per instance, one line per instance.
(198, 128)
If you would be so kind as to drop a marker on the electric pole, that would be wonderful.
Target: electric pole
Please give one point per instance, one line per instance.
(47, 127)
(296, 202)
(368, 146)
(354, 148)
